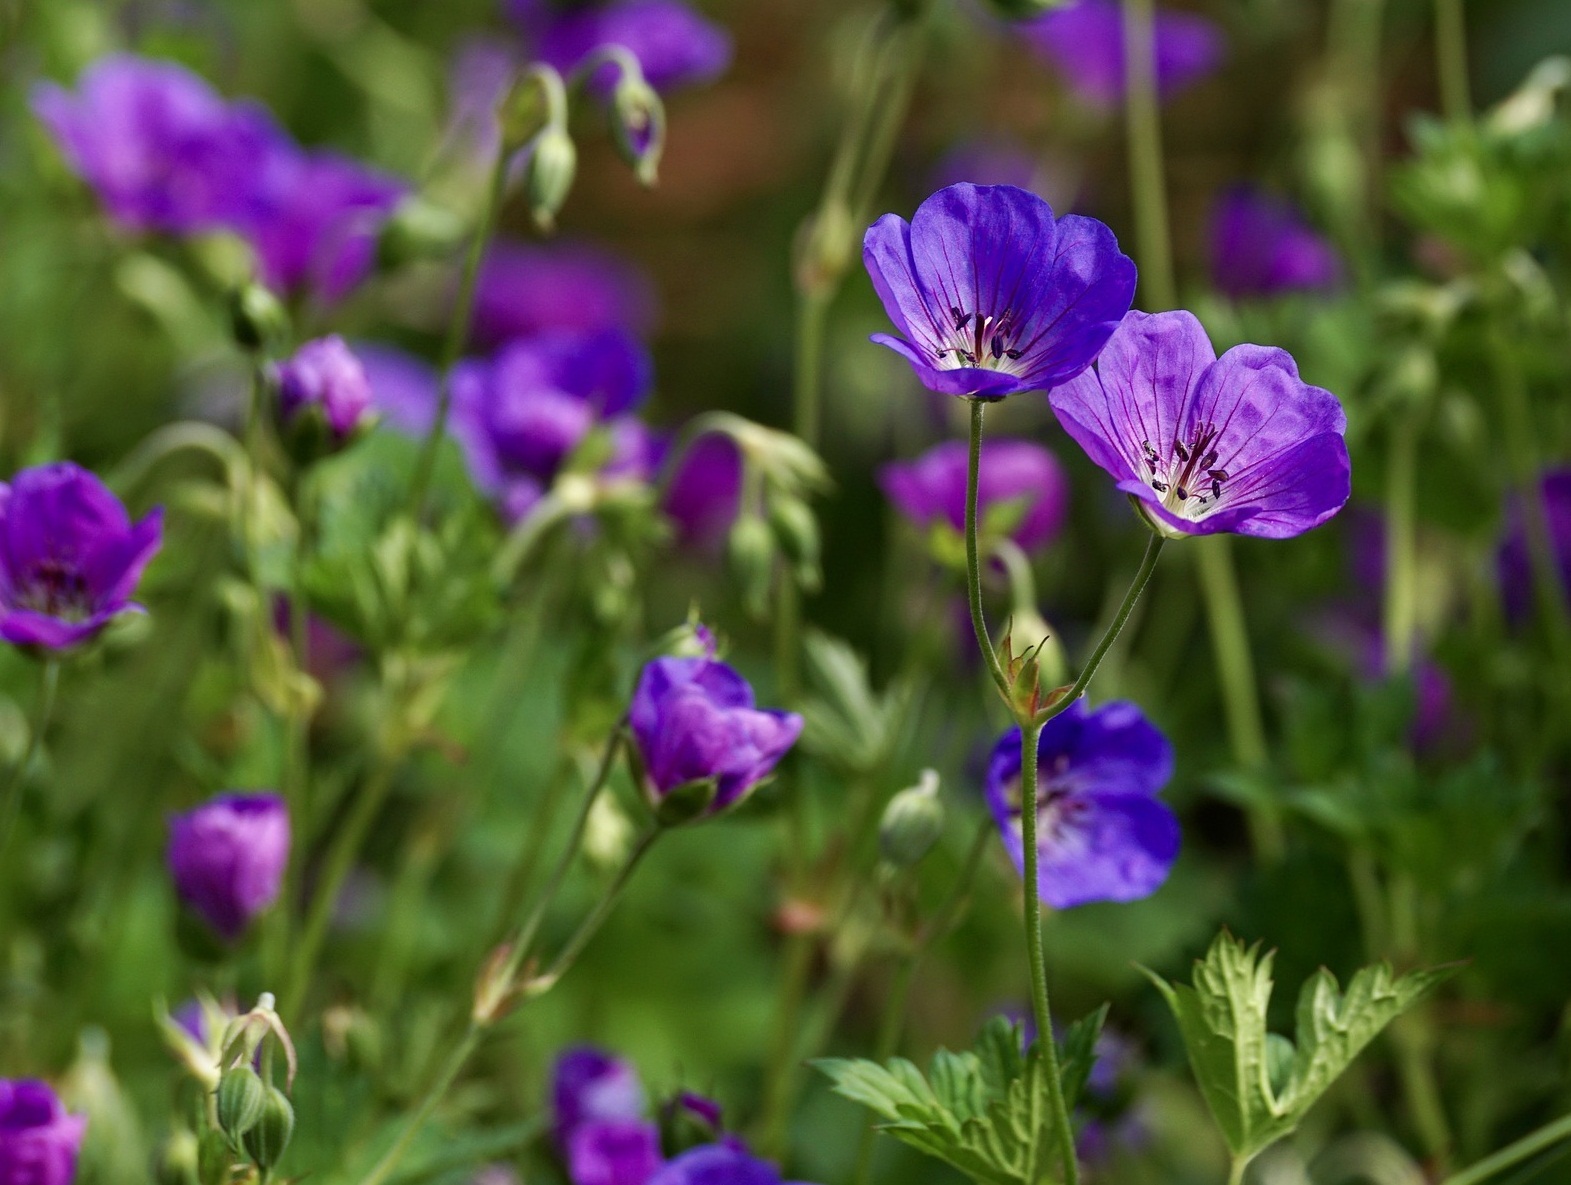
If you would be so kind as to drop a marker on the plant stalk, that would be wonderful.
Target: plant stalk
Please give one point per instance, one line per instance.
(43, 712)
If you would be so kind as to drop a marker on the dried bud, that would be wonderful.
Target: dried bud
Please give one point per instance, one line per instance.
(913, 822)
(269, 1137)
(241, 1097)
(549, 173)
(496, 987)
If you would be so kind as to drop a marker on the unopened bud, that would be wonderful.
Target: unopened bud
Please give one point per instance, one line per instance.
(549, 173)
(266, 1142)
(214, 1158)
(241, 1097)
(796, 531)
(418, 230)
(256, 317)
(638, 122)
(751, 548)
(913, 822)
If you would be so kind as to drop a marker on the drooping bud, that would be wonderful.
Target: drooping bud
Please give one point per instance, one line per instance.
(241, 1097)
(638, 121)
(752, 554)
(256, 317)
(419, 229)
(795, 529)
(912, 823)
(267, 1140)
(549, 173)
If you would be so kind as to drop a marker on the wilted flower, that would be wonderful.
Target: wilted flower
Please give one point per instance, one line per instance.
(325, 377)
(1085, 42)
(995, 295)
(70, 557)
(590, 1085)
(1102, 834)
(705, 491)
(1261, 246)
(673, 44)
(528, 289)
(694, 721)
(613, 1152)
(39, 1141)
(162, 149)
(1014, 475)
(227, 858)
(1514, 561)
(1206, 444)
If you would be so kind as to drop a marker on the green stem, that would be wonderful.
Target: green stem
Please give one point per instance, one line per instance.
(341, 856)
(43, 710)
(1147, 174)
(973, 564)
(1235, 1170)
(1456, 98)
(458, 334)
(451, 1068)
(1041, 1009)
(1545, 1137)
(777, 1079)
(1137, 586)
(1401, 591)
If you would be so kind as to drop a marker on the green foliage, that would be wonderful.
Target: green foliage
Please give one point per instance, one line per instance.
(983, 1111)
(1257, 1084)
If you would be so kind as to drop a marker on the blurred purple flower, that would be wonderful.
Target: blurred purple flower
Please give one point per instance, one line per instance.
(992, 161)
(725, 1163)
(227, 858)
(932, 488)
(482, 71)
(1085, 43)
(1261, 246)
(589, 1085)
(1102, 834)
(163, 150)
(526, 289)
(70, 557)
(317, 232)
(1514, 562)
(403, 387)
(674, 45)
(1239, 443)
(613, 1152)
(330, 650)
(694, 720)
(326, 375)
(993, 294)
(39, 1141)
(705, 491)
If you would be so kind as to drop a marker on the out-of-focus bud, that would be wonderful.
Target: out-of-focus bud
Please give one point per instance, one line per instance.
(179, 1161)
(418, 230)
(549, 173)
(496, 987)
(752, 552)
(688, 1121)
(607, 835)
(241, 1097)
(638, 122)
(266, 1142)
(214, 1158)
(796, 531)
(691, 639)
(256, 317)
(825, 248)
(913, 822)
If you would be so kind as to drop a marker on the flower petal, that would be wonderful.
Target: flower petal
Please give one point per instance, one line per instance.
(1110, 847)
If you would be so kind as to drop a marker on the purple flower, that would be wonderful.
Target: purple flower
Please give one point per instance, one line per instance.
(995, 295)
(1261, 246)
(524, 290)
(162, 149)
(613, 1152)
(1085, 42)
(317, 232)
(325, 375)
(403, 387)
(693, 720)
(227, 858)
(1514, 562)
(674, 45)
(38, 1139)
(70, 557)
(589, 1085)
(932, 488)
(705, 492)
(1206, 444)
(1102, 834)
(725, 1163)
(991, 161)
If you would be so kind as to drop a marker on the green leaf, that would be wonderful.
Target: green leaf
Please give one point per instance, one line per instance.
(1257, 1084)
(1078, 1055)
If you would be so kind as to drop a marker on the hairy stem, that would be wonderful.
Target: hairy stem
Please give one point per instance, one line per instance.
(973, 563)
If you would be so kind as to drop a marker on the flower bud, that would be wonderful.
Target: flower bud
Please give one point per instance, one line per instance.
(684, 803)
(256, 317)
(241, 1097)
(418, 230)
(752, 553)
(913, 822)
(638, 122)
(266, 1141)
(796, 531)
(214, 1158)
(549, 173)
(688, 1121)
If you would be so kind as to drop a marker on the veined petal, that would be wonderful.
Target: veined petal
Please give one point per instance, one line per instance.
(1111, 847)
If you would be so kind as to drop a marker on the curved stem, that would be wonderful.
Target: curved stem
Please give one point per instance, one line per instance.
(43, 710)
(1456, 98)
(1235, 1170)
(973, 564)
(1121, 618)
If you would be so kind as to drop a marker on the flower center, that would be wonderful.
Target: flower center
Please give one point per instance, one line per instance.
(56, 588)
(1057, 808)
(1188, 479)
(977, 340)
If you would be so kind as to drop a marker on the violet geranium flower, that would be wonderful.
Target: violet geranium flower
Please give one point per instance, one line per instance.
(1514, 562)
(694, 721)
(613, 1152)
(162, 149)
(993, 294)
(325, 378)
(588, 1085)
(932, 488)
(39, 1140)
(674, 45)
(726, 1163)
(1085, 43)
(1261, 246)
(70, 556)
(1102, 834)
(525, 289)
(1206, 444)
(705, 491)
(227, 858)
